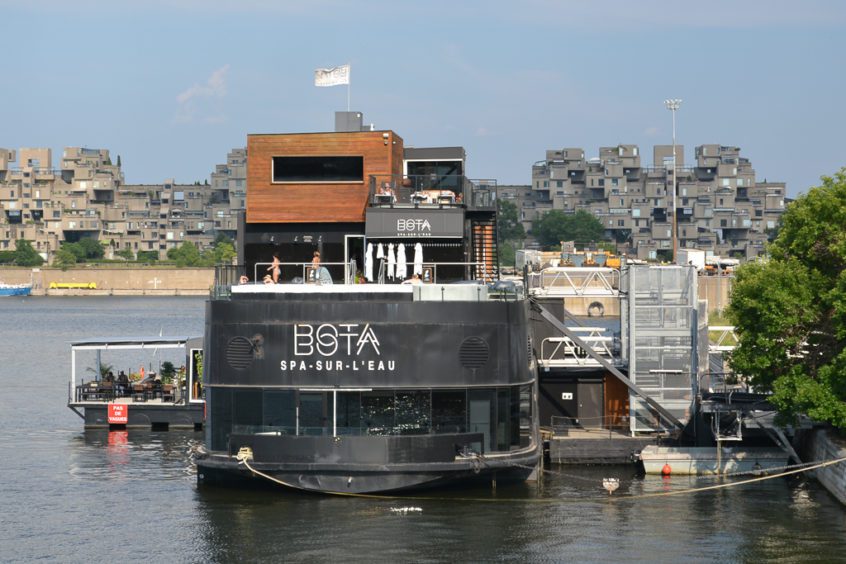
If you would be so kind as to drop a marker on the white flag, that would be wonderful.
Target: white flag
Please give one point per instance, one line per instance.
(333, 76)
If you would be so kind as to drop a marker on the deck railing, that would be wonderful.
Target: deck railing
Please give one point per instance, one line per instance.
(429, 190)
(227, 276)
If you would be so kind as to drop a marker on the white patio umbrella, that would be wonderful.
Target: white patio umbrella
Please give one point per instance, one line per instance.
(368, 263)
(392, 261)
(418, 259)
(402, 264)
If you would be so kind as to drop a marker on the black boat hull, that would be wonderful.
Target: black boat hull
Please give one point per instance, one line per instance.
(224, 470)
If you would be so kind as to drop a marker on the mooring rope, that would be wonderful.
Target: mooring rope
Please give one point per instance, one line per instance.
(245, 454)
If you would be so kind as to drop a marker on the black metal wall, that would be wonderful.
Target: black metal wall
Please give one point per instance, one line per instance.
(337, 342)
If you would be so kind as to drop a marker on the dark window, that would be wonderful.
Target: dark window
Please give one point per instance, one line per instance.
(313, 413)
(412, 412)
(349, 413)
(482, 416)
(377, 412)
(449, 411)
(220, 416)
(318, 169)
(503, 419)
(279, 410)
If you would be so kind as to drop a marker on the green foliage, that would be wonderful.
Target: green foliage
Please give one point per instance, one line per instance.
(789, 312)
(167, 372)
(508, 222)
(91, 248)
(125, 253)
(25, 255)
(556, 226)
(507, 254)
(64, 257)
(147, 256)
(186, 254)
(223, 252)
(102, 370)
(7, 257)
(83, 250)
(198, 363)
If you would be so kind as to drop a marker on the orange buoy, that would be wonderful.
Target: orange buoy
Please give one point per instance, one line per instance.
(666, 470)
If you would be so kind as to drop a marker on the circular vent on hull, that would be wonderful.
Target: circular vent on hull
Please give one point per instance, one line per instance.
(239, 353)
(474, 352)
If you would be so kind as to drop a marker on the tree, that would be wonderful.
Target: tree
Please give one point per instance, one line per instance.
(223, 252)
(184, 255)
(507, 254)
(25, 255)
(147, 256)
(167, 372)
(789, 311)
(125, 254)
(508, 222)
(91, 248)
(556, 226)
(64, 257)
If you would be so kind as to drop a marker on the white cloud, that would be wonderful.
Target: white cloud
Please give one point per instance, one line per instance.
(651, 131)
(202, 100)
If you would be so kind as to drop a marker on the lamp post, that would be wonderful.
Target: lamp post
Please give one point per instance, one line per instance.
(674, 104)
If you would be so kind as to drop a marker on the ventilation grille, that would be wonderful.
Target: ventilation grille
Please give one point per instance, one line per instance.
(239, 353)
(474, 352)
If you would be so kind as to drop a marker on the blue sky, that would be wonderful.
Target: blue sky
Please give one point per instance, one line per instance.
(171, 86)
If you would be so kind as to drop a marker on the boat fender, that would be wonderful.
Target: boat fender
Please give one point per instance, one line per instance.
(667, 469)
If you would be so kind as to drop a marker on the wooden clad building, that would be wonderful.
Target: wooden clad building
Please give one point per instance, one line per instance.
(317, 177)
(333, 193)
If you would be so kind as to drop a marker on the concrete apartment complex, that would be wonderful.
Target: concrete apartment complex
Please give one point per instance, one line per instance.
(87, 197)
(721, 206)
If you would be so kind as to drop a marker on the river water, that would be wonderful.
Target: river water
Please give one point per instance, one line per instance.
(75, 496)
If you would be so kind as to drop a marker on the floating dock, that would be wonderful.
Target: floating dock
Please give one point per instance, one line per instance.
(583, 446)
(103, 402)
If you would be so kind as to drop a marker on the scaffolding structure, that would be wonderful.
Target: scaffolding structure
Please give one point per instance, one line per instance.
(663, 325)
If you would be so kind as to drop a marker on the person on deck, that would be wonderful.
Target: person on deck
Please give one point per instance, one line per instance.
(122, 383)
(315, 267)
(275, 268)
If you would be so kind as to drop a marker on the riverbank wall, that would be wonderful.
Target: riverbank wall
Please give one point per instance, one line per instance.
(112, 281)
(822, 444)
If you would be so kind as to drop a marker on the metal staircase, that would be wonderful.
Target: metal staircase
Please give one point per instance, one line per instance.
(485, 249)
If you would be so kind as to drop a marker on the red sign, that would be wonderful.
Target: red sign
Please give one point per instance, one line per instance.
(118, 414)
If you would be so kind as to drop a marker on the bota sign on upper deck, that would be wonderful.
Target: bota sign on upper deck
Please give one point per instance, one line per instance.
(414, 223)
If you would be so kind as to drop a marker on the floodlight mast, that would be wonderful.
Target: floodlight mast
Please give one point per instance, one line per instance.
(673, 104)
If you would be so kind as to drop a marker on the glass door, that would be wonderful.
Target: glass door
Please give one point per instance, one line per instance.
(353, 250)
(312, 414)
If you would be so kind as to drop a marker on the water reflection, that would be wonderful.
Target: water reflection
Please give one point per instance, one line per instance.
(103, 455)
